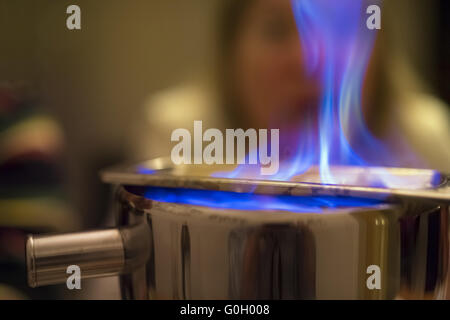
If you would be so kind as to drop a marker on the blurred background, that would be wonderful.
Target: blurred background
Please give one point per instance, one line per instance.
(82, 95)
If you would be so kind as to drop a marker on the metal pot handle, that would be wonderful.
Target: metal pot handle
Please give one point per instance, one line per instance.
(98, 253)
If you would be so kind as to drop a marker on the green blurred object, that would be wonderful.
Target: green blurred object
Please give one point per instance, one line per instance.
(32, 199)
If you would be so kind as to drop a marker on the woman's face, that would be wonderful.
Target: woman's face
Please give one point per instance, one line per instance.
(269, 74)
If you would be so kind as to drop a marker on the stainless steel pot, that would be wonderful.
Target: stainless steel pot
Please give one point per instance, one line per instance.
(167, 250)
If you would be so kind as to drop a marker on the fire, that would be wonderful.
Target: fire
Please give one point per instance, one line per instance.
(337, 45)
(337, 41)
(251, 201)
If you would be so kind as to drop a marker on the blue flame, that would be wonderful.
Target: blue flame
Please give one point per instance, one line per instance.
(144, 170)
(337, 45)
(249, 201)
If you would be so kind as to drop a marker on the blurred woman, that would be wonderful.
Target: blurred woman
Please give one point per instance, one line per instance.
(260, 81)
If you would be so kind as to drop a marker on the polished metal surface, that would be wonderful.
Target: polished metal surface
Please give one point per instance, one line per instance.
(411, 184)
(174, 251)
(165, 250)
(98, 253)
(204, 253)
